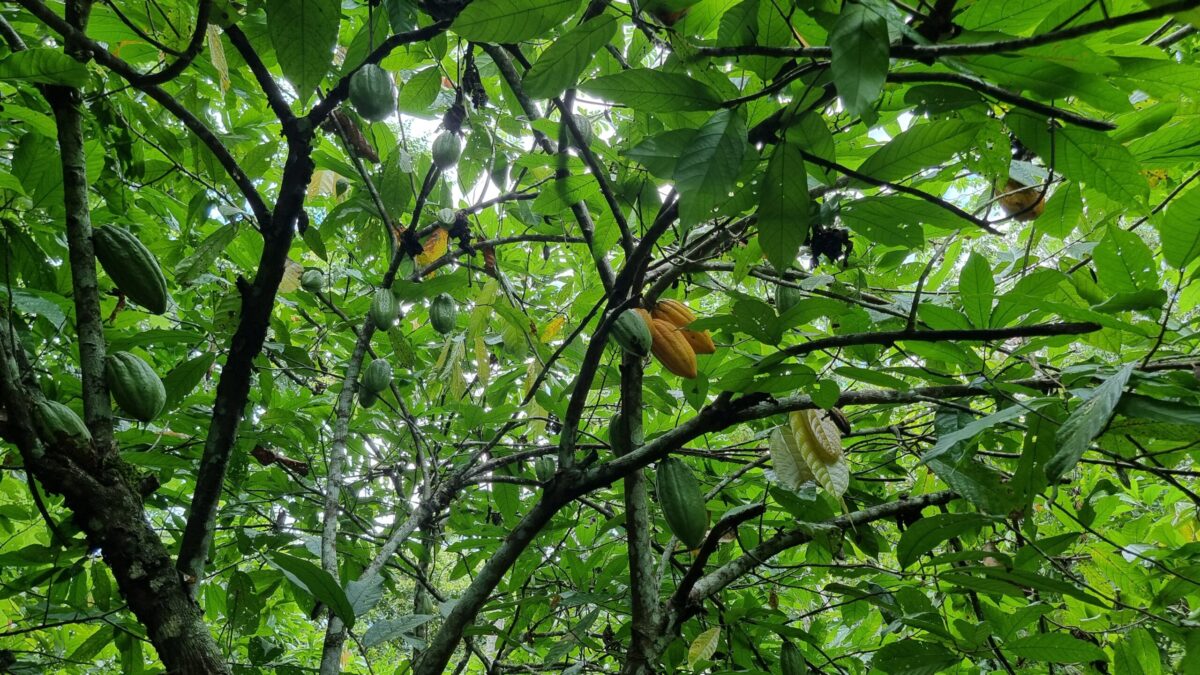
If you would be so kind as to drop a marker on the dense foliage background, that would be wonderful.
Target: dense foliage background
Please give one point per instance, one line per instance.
(972, 226)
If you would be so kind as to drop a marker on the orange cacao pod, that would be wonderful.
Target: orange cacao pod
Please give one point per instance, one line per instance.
(671, 349)
(700, 341)
(673, 312)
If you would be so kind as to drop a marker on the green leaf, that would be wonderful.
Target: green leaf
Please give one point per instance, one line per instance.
(927, 533)
(920, 147)
(914, 657)
(859, 40)
(364, 595)
(783, 206)
(1179, 229)
(303, 33)
(709, 166)
(560, 65)
(653, 91)
(1086, 422)
(1124, 263)
(1137, 653)
(507, 21)
(316, 582)
(977, 289)
(43, 65)
(884, 220)
(1132, 301)
(1055, 648)
(1014, 17)
(704, 646)
(391, 629)
(205, 254)
(183, 379)
(419, 92)
(660, 153)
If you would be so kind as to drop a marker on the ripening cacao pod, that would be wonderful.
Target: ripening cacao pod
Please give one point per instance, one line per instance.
(584, 125)
(682, 501)
(134, 385)
(443, 313)
(699, 340)
(1021, 202)
(131, 266)
(446, 149)
(791, 661)
(544, 468)
(619, 431)
(673, 312)
(632, 333)
(671, 349)
(59, 423)
(786, 297)
(372, 92)
(378, 376)
(312, 281)
(384, 309)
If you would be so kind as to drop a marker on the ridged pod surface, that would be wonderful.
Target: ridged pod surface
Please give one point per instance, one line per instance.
(446, 150)
(134, 385)
(671, 349)
(618, 432)
(682, 501)
(384, 309)
(60, 423)
(372, 92)
(673, 312)
(699, 340)
(631, 333)
(443, 313)
(312, 281)
(131, 266)
(378, 376)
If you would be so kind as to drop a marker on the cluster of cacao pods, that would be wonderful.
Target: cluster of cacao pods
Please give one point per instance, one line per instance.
(809, 448)
(663, 331)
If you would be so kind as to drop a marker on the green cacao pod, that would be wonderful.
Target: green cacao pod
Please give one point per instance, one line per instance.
(792, 661)
(384, 309)
(367, 398)
(134, 385)
(58, 422)
(131, 266)
(378, 376)
(446, 149)
(372, 92)
(443, 313)
(682, 502)
(617, 434)
(631, 332)
(312, 281)
(786, 298)
(544, 468)
(584, 125)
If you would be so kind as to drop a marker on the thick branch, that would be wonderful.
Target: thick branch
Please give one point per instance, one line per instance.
(965, 334)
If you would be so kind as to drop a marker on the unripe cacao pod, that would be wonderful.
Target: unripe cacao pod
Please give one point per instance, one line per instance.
(631, 333)
(367, 398)
(544, 468)
(443, 313)
(786, 297)
(384, 309)
(700, 341)
(673, 312)
(372, 92)
(672, 349)
(134, 385)
(131, 266)
(791, 661)
(312, 281)
(682, 501)
(500, 170)
(618, 432)
(446, 149)
(378, 376)
(59, 423)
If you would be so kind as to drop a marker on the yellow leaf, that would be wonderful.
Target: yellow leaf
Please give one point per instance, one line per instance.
(552, 329)
(216, 52)
(435, 247)
(324, 182)
(482, 365)
(292, 271)
(704, 646)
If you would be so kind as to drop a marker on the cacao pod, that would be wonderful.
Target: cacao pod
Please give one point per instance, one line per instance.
(682, 501)
(584, 125)
(632, 333)
(786, 297)
(372, 92)
(700, 341)
(134, 385)
(671, 349)
(131, 266)
(312, 281)
(367, 398)
(59, 423)
(443, 313)
(792, 661)
(544, 468)
(1021, 202)
(673, 312)
(446, 149)
(378, 376)
(618, 432)
(384, 309)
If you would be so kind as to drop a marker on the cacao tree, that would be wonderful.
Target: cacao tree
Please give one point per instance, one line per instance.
(496, 336)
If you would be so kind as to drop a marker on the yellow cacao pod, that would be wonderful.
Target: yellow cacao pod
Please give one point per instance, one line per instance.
(673, 312)
(700, 341)
(671, 349)
(1021, 202)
